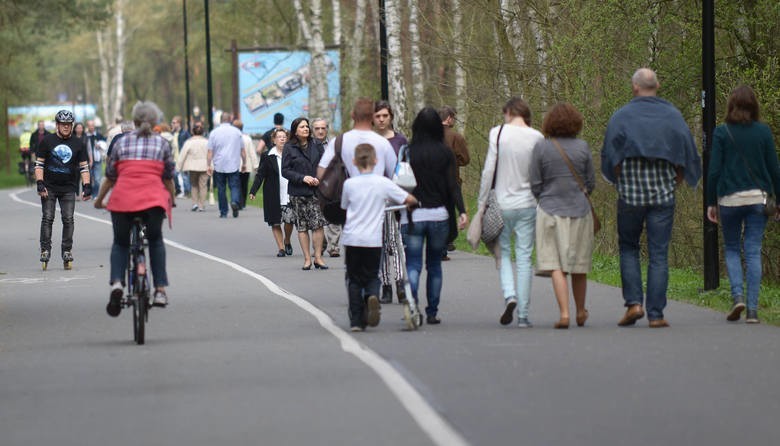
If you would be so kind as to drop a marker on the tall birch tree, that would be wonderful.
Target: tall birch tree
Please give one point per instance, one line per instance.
(355, 50)
(311, 29)
(395, 65)
(460, 72)
(418, 82)
(119, 68)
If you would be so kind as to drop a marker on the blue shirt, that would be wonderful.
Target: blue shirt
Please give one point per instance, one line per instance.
(226, 145)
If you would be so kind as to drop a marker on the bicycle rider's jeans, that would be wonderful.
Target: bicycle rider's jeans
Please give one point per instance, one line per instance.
(67, 202)
(748, 222)
(120, 251)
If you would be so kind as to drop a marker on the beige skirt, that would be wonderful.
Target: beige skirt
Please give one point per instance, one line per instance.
(563, 243)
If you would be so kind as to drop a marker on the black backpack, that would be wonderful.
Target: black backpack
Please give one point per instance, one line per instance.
(331, 185)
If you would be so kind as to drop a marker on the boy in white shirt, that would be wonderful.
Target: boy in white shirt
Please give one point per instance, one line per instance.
(364, 198)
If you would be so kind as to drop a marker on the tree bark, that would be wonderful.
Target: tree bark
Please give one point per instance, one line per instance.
(395, 67)
(355, 50)
(119, 73)
(311, 30)
(336, 21)
(105, 87)
(418, 83)
(460, 72)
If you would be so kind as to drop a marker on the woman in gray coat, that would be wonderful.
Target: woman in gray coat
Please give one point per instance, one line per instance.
(564, 224)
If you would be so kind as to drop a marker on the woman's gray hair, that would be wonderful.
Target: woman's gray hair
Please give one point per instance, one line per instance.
(146, 115)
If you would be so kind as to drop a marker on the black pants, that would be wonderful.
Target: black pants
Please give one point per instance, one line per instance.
(67, 202)
(244, 181)
(362, 280)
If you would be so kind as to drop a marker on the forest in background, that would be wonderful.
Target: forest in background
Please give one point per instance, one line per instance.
(472, 54)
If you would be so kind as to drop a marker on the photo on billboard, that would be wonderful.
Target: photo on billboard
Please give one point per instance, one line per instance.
(273, 82)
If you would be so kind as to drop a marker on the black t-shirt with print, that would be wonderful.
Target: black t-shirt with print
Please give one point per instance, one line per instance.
(61, 171)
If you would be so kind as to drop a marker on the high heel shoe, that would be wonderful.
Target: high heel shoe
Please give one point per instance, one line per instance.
(582, 317)
(563, 323)
(306, 267)
(320, 265)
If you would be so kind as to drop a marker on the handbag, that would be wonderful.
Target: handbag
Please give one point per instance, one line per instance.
(492, 221)
(770, 203)
(581, 184)
(404, 175)
(331, 184)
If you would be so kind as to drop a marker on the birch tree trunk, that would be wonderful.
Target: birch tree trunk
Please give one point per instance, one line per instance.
(513, 29)
(541, 54)
(355, 50)
(460, 72)
(119, 73)
(303, 24)
(312, 32)
(105, 87)
(395, 66)
(418, 83)
(336, 21)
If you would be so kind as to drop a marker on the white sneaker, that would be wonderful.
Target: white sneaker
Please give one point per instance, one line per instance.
(160, 299)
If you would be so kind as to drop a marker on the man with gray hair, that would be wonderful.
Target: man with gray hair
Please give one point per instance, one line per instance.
(648, 151)
(332, 231)
(225, 157)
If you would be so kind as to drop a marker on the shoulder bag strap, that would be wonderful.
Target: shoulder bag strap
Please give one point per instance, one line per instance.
(577, 178)
(495, 171)
(742, 155)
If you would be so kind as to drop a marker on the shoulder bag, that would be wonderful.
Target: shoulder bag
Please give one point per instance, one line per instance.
(492, 221)
(581, 184)
(331, 185)
(770, 204)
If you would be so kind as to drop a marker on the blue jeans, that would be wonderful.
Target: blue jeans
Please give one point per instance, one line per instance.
(96, 176)
(67, 206)
(434, 235)
(120, 250)
(232, 181)
(522, 224)
(736, 222)
(631, 221)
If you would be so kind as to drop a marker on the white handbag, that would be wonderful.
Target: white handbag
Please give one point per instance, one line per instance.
(404, 175)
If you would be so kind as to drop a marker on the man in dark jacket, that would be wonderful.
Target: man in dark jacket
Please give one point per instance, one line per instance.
(37, 137)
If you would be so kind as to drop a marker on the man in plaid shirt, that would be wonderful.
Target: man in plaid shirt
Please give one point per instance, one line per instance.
(648, 151)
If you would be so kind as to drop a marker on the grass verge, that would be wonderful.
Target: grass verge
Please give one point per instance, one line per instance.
(685, 285)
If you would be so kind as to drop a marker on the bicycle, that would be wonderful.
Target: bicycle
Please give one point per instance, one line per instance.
(138, 280)
(412, 316)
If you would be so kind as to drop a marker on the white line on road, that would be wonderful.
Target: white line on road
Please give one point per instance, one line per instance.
(436, 427)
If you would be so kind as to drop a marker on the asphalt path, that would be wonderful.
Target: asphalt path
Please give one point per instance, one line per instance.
(252, 350)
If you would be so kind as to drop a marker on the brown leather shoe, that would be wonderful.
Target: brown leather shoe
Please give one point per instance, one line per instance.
(633, 314)
(658, 323)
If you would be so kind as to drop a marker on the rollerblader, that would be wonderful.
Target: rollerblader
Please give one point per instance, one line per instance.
(60, 160)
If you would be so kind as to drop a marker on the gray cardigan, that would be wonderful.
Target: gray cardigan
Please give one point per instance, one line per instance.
(552, 182)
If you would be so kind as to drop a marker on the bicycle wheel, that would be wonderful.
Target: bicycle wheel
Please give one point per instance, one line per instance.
(140, 310)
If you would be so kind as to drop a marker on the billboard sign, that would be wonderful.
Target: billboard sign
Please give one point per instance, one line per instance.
(273, 82)
(25, 118)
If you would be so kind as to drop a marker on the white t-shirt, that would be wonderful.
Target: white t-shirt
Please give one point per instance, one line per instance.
(385, 155)
(364, 198)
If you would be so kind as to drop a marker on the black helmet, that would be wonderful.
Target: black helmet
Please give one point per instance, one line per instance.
(64, 116)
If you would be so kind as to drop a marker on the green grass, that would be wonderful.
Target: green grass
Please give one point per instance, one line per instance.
(685, 285)
(12, 179)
